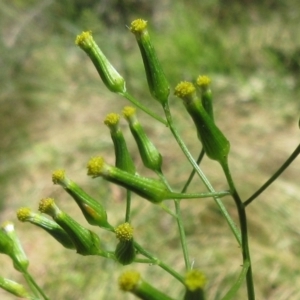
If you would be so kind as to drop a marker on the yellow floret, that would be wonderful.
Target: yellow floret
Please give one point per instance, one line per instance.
(184, 89)
(194, 280)
(138, 25)
(95, 166)
(129, 280)
(83, 38)
(112, 119)
(128, 111)
(23, 214)
(46, 204)
(58, 176)
(203, 81)
(124, 232)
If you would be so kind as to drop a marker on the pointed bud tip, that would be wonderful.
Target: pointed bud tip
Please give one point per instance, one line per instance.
(129, 280)
(124, 232)
(138, 26)
(58, 176)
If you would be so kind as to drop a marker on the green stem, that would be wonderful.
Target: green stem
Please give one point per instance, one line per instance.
(180, 226)
(143, 108)
(233, 290)
(161, 264)
(241, 209)
(274, 176)
(186, 152)
(128, 206)
(32, 282)
(198, 196)
(198, 161)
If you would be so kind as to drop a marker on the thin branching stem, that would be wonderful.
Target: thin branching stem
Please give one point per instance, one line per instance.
(143, 108)
(206, 182)
(274, 176)
(158, 262)
(241, 209)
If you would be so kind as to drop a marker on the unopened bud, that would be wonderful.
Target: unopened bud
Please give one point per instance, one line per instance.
(151, 157)
(214, 142)
(92, 210)
(14, 288)
(157, 81)
(206, 95)
(194, 282)
(24, 214)
(86, 241)
(123, 158)
(18, 255)
(125, 250)
(151, 189)
(110, 77)
(131, 281)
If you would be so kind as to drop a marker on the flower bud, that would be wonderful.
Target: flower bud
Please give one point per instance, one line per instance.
(125, 251)
(206, 95)
(6, 244)
(194, 282)
(86, 241)
(214, 142)
(110, 77)
(92, 210)
(131, 281)
(14, 288)
(153, 190)
(151, 157)
(18, 255)
(157, 81)
(123, 158)
(24, 214)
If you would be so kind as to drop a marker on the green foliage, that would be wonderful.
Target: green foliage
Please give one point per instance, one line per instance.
(42, 72)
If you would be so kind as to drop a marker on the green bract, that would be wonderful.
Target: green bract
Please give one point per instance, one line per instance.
(14, 288)
(206, 95)
(214, 142)
(157, 81)
(131, 281)
(92, 210)
(151, 157)
(24, 214)
(123, 158)
(110, 77)
(151, 189)
(18, 255)
(86, 241)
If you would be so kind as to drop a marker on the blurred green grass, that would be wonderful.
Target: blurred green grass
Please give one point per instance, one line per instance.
(53, 104)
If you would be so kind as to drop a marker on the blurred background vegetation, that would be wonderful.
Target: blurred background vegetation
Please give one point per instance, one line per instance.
(52, 107)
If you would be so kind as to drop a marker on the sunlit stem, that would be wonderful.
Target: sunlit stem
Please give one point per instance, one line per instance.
(274, 176)
(180, 226)
(156, 261)
(206, 182)
(32, 283)
(143, 108)
(233, 290)
(128, 206)
(241, 209)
